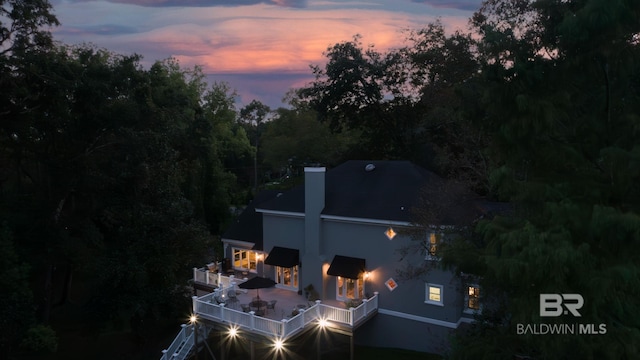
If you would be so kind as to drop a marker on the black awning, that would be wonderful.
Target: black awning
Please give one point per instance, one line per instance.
(345, 266)
(284, 257)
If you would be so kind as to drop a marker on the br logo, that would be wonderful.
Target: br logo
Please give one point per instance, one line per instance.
(553, 305)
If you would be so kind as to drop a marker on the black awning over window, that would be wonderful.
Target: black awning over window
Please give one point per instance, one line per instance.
(284, 257)
(345, 266)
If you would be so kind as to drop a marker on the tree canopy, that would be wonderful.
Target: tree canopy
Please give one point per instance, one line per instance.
(112, 175)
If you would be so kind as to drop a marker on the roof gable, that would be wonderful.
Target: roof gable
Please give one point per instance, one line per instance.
(248, 226)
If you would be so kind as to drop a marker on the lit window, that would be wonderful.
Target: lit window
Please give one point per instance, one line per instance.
(433, 294)
(472, 297)
(245, 260)
(433, 242)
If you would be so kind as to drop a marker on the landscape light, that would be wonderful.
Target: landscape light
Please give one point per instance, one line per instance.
(278, 344)
(322, 323)
(233, 332)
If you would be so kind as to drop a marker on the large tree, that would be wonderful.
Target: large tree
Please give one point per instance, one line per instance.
(562, 98)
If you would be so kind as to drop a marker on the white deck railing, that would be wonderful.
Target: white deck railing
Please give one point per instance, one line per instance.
(205, 308)
(204, 276)
(286, 327)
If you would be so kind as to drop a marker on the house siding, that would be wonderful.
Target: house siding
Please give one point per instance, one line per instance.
(383, 261)
(394, 332)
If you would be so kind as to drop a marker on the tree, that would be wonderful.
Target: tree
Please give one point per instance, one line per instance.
(253, 117)
(443, 73)
(349, 94)
(295, 135)
(561, 98)
(408, 103)
(24, 26)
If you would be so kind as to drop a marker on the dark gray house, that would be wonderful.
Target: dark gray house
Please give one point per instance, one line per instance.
(341, 232)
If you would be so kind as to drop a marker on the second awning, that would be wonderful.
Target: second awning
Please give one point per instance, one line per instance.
(284, 257)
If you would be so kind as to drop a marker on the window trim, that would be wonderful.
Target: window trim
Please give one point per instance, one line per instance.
(427, 294)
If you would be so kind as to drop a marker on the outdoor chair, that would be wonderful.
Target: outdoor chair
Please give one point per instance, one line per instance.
(271, 305)
(245, 307)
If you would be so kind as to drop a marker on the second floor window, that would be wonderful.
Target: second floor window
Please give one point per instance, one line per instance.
(473, 297)
(433, 243)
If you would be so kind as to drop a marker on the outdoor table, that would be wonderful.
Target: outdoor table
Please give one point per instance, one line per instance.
(259, 304)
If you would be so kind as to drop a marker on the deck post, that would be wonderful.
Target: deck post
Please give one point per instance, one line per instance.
(252, 322)
(194, 304)
(375, 294)
(195, 274)
(206, 276)
(164, 354)
(222, 307)
(318, 308)
(351, 316)
(301, 311)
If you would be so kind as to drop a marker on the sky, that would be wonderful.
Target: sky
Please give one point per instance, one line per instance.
(261, 48)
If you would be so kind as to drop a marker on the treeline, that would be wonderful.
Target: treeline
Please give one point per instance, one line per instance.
(120, 178)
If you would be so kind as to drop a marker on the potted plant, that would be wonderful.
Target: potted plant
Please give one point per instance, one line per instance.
(307, 290)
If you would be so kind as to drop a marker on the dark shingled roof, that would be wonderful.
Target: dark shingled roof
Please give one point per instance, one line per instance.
(385, 193)
(248, 226)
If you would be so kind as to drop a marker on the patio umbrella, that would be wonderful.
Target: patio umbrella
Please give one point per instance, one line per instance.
(257, 282)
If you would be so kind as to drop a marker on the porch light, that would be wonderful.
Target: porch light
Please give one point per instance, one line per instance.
(390, 233)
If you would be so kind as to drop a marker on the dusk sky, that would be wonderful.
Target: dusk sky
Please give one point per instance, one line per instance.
(261, 48)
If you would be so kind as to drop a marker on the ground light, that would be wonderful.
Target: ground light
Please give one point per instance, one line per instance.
(322, 323)
(278, 345)
(194, 321)
(233, 332)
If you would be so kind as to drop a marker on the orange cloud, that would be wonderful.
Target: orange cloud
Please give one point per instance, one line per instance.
(267, 38)
(248, 39)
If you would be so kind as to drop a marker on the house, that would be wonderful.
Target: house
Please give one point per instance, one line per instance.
(341, 232)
